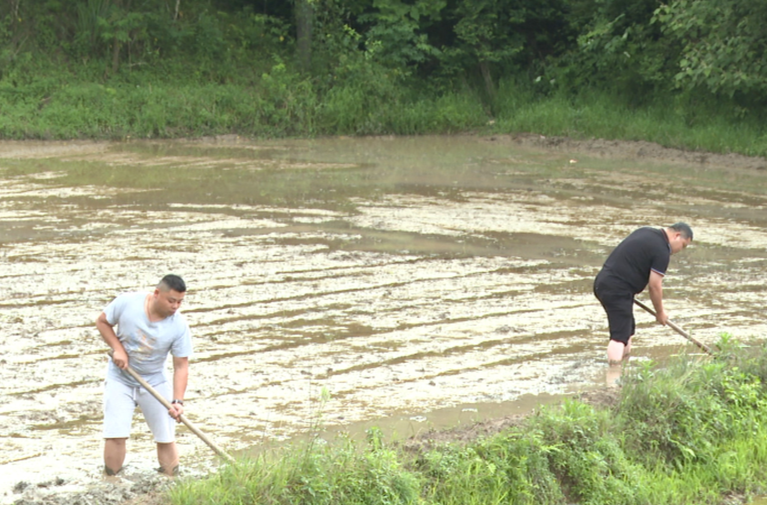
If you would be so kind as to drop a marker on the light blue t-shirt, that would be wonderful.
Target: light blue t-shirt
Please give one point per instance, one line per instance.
(147, 343)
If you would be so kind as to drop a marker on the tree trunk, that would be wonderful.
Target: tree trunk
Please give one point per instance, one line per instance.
(304, 24)
(488, 78)
(120, 5)
(175, 14)
(115, 56)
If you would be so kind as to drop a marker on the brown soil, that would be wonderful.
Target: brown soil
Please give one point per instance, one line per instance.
(640, 150)
(605, 397)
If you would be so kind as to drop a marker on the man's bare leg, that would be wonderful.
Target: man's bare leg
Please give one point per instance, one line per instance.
(114, 455)
(618, 351)
(615, 352)
(613, 374)
(627, 349)
(618, 354)
(167, 455)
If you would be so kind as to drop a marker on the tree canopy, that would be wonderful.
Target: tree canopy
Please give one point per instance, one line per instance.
(637, 48)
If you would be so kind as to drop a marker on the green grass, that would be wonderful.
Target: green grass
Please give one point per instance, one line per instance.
(666, 121)
(276, 109)
(691, 432)
(52, 103)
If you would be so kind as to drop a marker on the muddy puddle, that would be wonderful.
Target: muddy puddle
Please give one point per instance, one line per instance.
(340, 283)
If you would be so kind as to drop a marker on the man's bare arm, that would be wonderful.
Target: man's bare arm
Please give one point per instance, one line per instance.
(656, 295)
(119, 356)
(180, 380)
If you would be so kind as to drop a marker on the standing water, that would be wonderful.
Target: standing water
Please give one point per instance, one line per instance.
(332, 282)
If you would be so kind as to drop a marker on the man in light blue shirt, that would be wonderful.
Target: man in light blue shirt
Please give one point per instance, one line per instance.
(149, 327)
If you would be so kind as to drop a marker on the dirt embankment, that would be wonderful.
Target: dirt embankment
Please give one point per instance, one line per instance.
(639, 150)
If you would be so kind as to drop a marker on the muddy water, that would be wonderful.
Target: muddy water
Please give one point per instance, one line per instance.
(339, 282)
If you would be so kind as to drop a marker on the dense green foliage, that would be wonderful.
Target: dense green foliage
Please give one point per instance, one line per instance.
(689, 432)
(118, 68)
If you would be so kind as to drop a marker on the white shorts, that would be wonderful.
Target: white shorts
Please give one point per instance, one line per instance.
(121, 400)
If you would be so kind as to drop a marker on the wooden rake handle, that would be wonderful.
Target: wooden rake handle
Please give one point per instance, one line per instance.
(677, 329)
(181, 418)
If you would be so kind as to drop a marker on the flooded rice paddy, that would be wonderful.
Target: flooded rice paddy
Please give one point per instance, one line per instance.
(415, 282)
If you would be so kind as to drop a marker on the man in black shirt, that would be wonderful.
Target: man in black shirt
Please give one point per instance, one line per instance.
(639, 261)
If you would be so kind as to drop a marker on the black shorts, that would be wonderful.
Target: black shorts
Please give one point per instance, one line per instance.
(619, 306)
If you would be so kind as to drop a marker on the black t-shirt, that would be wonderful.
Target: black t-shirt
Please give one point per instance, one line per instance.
(629, 265)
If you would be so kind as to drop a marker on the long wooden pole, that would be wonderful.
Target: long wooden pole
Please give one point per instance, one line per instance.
(677, 329)
(181, 418)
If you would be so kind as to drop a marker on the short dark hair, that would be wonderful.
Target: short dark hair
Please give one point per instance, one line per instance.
(173, 282)
(682, 228)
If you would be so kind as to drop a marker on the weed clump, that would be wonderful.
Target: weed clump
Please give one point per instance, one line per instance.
(688, 432)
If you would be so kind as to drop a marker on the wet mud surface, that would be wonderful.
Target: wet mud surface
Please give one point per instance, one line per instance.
(416, 283)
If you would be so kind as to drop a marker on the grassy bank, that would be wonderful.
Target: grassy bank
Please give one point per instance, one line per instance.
(691, 432)
(281, 103)
(668, 121)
